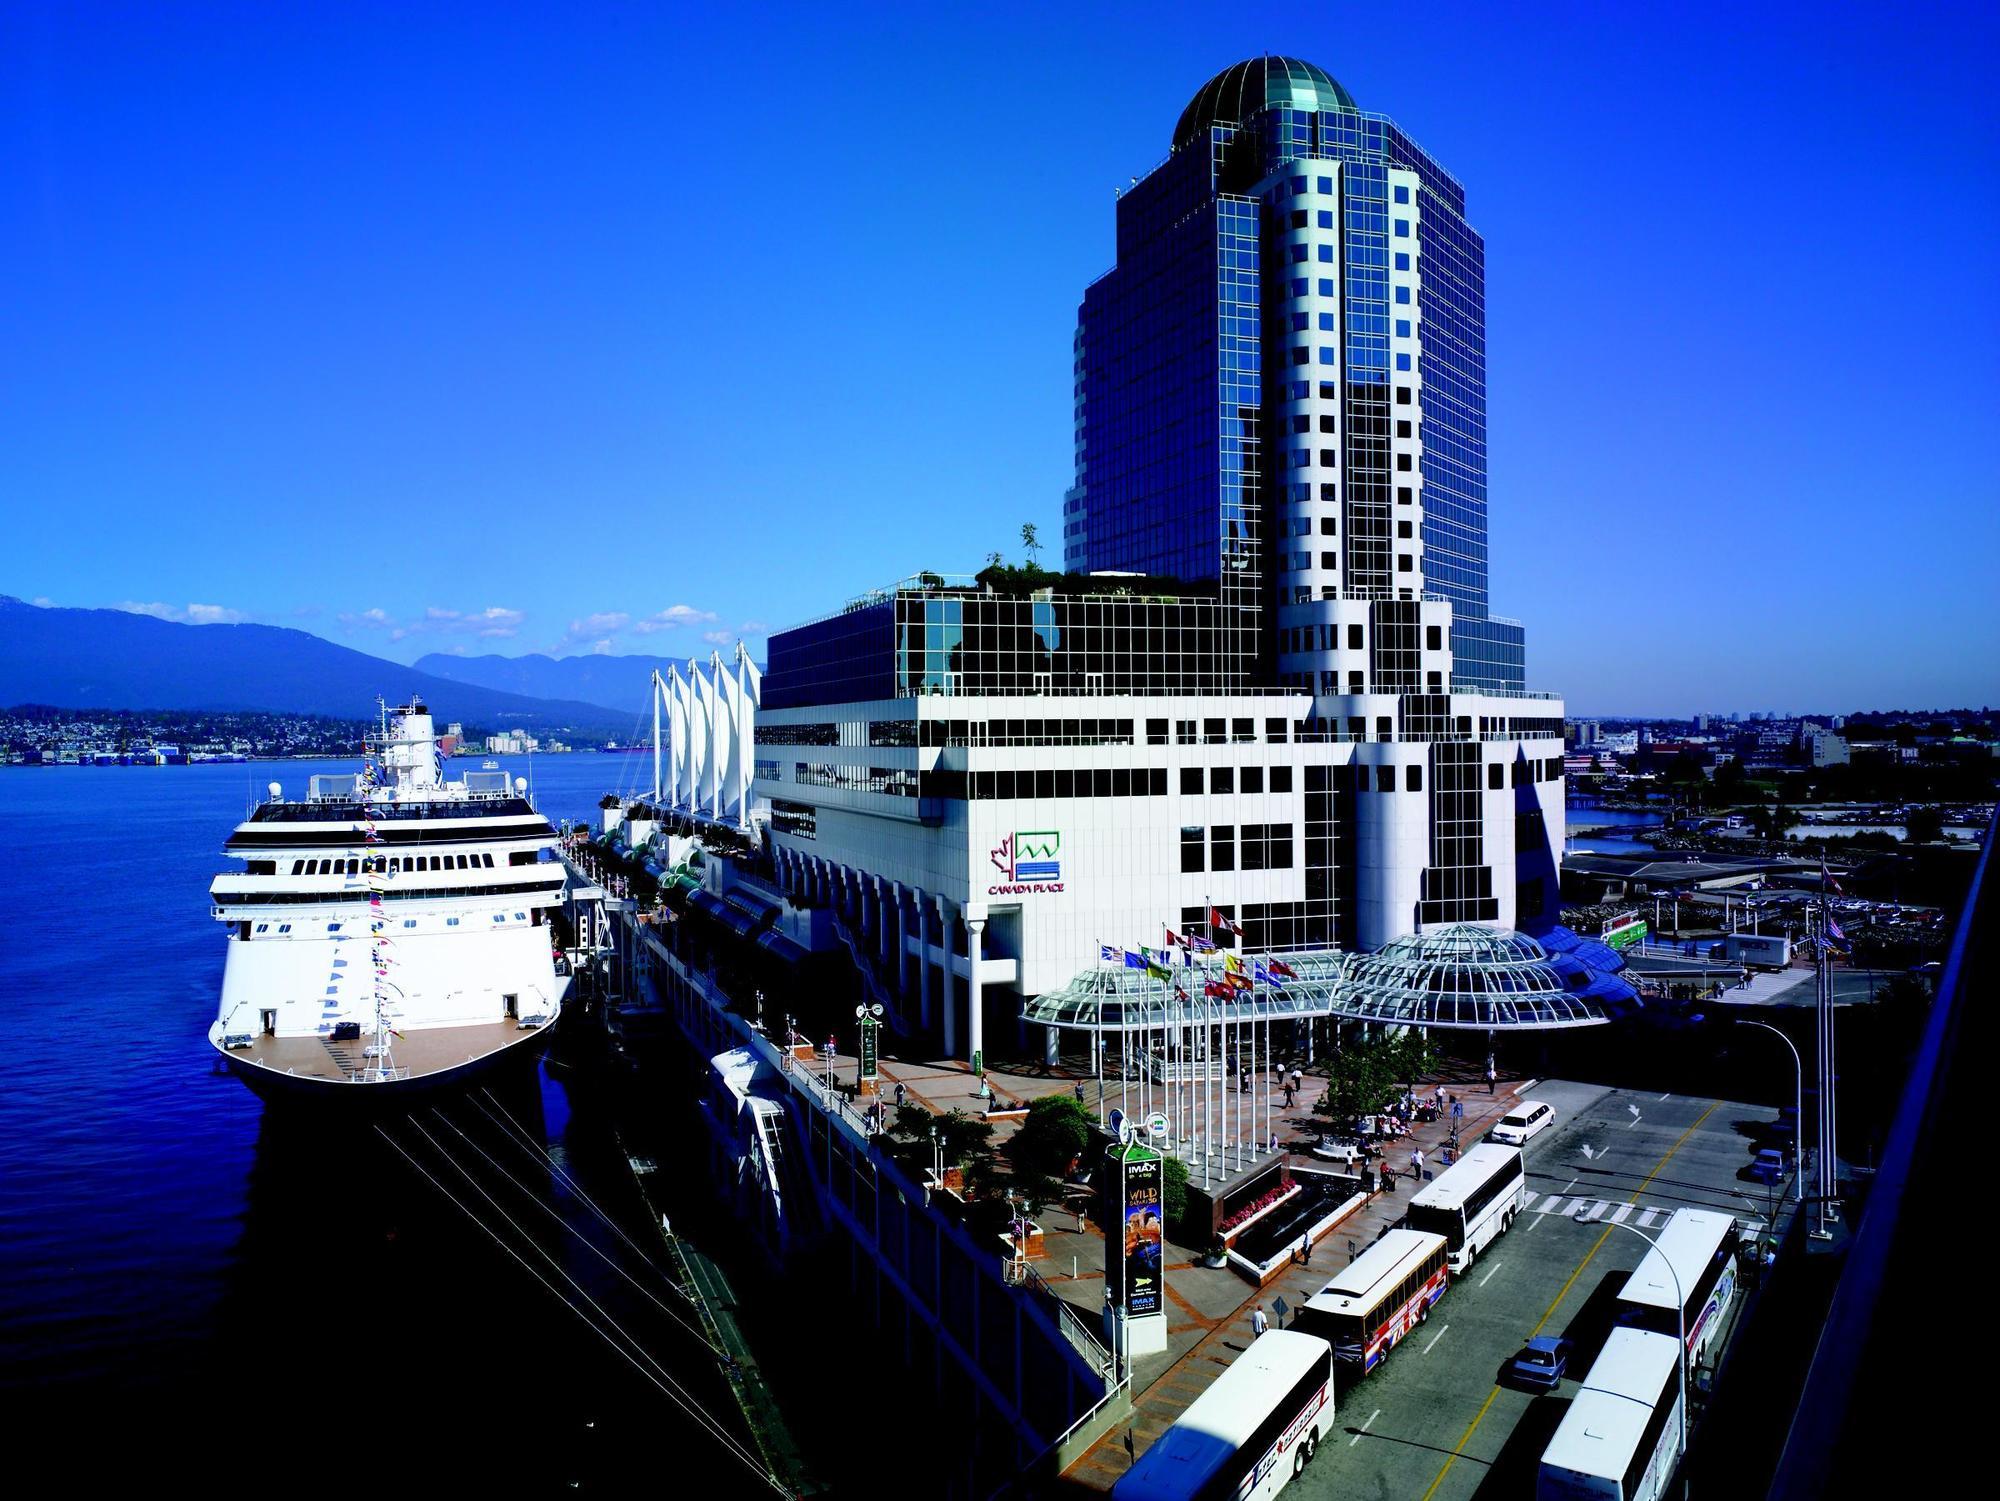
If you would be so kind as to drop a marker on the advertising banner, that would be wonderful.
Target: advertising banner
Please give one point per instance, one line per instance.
(1144, 1238)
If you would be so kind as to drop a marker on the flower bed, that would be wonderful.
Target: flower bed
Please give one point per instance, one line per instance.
(1258, 1207)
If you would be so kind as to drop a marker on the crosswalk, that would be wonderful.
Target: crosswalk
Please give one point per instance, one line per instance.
(1616, 1211)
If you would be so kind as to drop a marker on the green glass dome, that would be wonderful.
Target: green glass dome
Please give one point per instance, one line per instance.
(1235, 94)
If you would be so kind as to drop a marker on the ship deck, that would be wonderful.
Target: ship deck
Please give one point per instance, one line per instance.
(416, 1054)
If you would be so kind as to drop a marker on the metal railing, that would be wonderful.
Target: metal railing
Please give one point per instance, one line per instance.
(1083, 1339)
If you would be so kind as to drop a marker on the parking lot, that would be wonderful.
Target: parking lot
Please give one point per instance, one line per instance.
(1433, 1422)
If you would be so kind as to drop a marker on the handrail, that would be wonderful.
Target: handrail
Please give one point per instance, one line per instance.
(1084, 1339)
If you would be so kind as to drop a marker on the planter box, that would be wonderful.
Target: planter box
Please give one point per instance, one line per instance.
(1229, 1235)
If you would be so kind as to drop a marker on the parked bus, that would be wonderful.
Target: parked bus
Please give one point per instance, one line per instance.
(1622, 1436)
(1696, 1251)
(1384, 1294)
(1249, 1434)
(1472, 1201)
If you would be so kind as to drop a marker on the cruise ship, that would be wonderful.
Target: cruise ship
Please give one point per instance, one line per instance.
(389, 930)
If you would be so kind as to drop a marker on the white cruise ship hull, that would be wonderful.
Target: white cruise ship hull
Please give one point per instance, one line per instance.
(312, 1070)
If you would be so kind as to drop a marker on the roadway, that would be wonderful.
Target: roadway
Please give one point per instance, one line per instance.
(1432, 1423)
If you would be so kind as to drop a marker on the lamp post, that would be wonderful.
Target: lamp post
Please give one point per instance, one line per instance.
(1798, 1104)
(1680, 1318)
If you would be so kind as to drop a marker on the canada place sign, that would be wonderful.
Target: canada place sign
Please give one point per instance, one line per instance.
(1029, 861)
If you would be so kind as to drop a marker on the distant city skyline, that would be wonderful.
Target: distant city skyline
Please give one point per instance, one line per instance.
(431, 333)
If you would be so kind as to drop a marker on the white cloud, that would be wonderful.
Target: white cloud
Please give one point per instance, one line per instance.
(188, 614)
(719, 638)
(596, 629)
(42, 602)
(601, 648)
(492, 622)
(675, 617)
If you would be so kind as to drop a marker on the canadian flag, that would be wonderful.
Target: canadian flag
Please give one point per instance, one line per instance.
(1217, 918)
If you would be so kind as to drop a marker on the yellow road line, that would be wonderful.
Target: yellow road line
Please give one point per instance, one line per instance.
(1459, 1448)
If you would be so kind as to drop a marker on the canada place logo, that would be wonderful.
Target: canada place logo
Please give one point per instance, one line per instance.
(1030, 858)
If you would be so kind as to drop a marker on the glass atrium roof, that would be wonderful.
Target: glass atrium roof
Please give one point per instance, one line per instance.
(1236, 93)
(1461, 977)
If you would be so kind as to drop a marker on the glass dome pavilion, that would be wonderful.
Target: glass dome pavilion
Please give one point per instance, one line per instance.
(1462, 977)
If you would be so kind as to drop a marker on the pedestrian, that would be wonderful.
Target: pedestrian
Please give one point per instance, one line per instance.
(1079, 1091)
(1416, 1164)
(1258, 1322)
(901, 1094)
(1306, 1249)
(1244, 1082)
(1491, 1075)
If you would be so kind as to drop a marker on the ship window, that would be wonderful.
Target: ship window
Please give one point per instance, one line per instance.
(461, 862)
(354, 867)
(333, 927)
(298, 867)
(409, 922)
(487, 861)
(451, 922)
(284, 927)
(263, 926)
(395, 867)
(520, 917)
(499, 917)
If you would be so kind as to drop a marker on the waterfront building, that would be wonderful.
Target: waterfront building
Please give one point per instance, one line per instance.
(1268, 688)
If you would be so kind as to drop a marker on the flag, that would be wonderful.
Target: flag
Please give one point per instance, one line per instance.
(1826, 880)
(1215, 990)
(1200, 944)
(1835, 938)
(1235, 981)
(1107, 953)
(1157, 971)
(1179, 994)
(1218, 919)
(1284, 969)
(1232, 964)
(1173, 939)
(1134, 961)
(1259, 973)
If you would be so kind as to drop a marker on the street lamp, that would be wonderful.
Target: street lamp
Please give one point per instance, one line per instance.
(1798, 1104)
(1680, 1314)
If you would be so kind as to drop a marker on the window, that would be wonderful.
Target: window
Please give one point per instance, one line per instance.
(409, 922)
(1298, 286)
(1156, 732)
(1327, 356)
(1403, 362)
(1413, 779)
(1326, 322)
(1329, 390)
(1190, 781)
(1301, 354)
(1403, 530)
(1329, 424)
(1402, 260)
(1403, 295)
(1298, 254)
(1325, 287)
(1403, 562)
(1281, 779)
(1354, 638)
(1329, 561)
(1403, 459)
(1402, 192)
(1326, 252)
(1325, 184)
(1402, 229)
(1300, 322)
(1326, 526)
(1403, 495)
(1402, 328)
(1402, 396)
(1385, 779)
(1328, 457)
(1253, 779)
(1222, 847)
(1192, 845)
(1433, 638)
(1222, 779)
(1403, 427)
(1298, 218)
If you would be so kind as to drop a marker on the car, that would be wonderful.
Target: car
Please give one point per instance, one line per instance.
(1770, 1166)
(1541, 1363)
(1527, 1119)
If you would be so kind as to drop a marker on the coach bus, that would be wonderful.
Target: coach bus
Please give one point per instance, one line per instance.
(1472, 1201)
(1249, 1434)
(1622, 1435)
(1384, 1294)
(1695, 1252)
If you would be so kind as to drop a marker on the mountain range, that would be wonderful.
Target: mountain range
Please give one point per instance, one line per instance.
(114, 659)
(619, 684)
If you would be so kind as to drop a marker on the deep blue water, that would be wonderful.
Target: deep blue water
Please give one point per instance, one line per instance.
(1598, 830)
(173, 1263)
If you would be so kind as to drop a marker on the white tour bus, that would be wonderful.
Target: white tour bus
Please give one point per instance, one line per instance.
(1621, 1437)
(1249, 1433)
(1696, 1251)
(1472, 1201)
(1379, 1298)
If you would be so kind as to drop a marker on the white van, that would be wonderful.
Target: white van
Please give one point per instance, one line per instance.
(1525, 1120)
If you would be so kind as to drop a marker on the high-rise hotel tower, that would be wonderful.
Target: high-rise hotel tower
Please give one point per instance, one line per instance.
(1282, 383)
(1268, 682)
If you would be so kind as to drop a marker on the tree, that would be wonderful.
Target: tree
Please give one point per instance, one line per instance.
(1031, 542)
(1173, 1191)
(1360, 1080)
(993, 560)
(1052, 1137)
(1923, 825)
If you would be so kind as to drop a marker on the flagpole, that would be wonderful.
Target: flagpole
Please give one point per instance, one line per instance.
(1097, 1038)
(1207, 1048)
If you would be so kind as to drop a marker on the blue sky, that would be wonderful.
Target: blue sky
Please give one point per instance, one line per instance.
(534, 328)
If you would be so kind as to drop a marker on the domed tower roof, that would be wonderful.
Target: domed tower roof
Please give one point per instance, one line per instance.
(1235, 94)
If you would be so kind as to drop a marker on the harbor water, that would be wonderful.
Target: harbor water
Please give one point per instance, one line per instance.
(191, 1287)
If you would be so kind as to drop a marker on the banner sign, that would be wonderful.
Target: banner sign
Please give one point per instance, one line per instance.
(1144, 1239)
